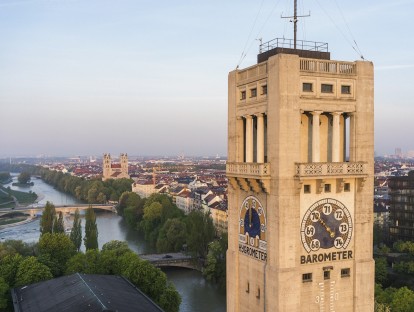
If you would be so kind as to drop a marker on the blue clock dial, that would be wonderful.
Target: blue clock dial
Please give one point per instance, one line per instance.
(252, 223)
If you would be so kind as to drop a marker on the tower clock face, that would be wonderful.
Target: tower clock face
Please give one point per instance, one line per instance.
(326, 224)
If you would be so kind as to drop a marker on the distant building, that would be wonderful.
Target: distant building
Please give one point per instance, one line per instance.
(402, 207)
(115, 170)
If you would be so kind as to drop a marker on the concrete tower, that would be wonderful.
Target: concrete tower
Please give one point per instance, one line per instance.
(300, 167)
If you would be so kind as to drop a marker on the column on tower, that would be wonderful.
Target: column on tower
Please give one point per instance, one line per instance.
(249, 138)
(260, 138)
(336, 136)
(316, 149)
(240, 144)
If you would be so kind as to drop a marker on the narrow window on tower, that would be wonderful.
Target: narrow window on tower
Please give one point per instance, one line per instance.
(347, 187)
(307, 87)
(242, 95)
(253, 92)
(346, 89)
(345, 272)
(327, 188)
(326, 275)
(307, 277)
(264, 90)
(307, 188)
(248, 287)
(258, 293)
(326, 88)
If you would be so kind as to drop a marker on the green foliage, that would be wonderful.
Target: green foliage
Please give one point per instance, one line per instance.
(131, 206)
(200, 232)
(157, 210)
(88, 263)
(91, 230)
(172, 236)
(4, 298)
(119, 247)
(380, 270)
(76, 232)
(55, 250)
(5, 177)
(12, 246)
(149, 279)
(8, 267)
(22, 197)
(403, 300)
(404, 246)
(24, 177)
(32, 271)
(215, 269)
(170, 299)
(58, 225)
(48, 218)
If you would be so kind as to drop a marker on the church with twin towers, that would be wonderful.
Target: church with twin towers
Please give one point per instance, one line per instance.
(300, 169)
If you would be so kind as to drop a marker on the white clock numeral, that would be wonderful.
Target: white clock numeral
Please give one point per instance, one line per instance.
(262, 227)
(339, 242)
(315, 216)
(327, 209)
(310, 231)
(339, 214)
(241, 222)
(315, 244)
(343, 228)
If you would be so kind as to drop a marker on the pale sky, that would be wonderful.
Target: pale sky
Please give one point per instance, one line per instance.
(85, 77)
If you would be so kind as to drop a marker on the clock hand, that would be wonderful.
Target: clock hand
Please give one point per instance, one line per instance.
(328, 229)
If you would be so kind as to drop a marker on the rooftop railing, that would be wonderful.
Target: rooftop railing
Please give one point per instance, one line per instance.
(289, 44)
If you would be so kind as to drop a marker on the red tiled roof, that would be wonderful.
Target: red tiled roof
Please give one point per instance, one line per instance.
(115, 165)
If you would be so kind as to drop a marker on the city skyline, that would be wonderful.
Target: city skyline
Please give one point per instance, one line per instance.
(89, 77)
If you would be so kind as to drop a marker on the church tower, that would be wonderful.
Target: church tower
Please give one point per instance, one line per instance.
(107, 171)
(124, 163)
(300, 169)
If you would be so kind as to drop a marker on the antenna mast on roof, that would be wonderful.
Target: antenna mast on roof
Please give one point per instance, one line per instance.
(295, 21)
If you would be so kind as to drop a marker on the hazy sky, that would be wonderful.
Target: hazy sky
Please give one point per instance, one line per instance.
(84, 77)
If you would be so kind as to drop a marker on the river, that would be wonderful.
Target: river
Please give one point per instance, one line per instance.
(197, 294)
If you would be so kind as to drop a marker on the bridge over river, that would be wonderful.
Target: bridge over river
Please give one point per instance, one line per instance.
(176, 259)
(66, 209)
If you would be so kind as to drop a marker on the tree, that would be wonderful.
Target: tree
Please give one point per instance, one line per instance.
(4, 289)
(59, 226)
(55, 250)
(76, 232)
(403, 300)
(200, 232)
(23, 177)
(172, 236)
(101, 198)
(88, 263)
(151, 221)
(48, 218)
(170, 299)
(8, 267)
(380, 270)
(32, 271)
(91, 230)
(215, 269)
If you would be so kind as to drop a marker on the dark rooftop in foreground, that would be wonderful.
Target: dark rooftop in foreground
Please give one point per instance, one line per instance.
(308, 49)
(82, 292)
